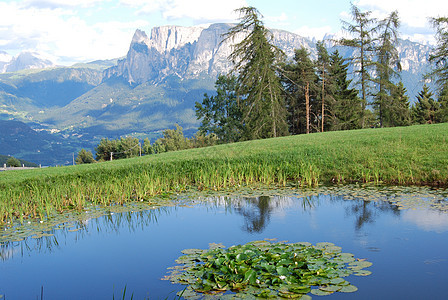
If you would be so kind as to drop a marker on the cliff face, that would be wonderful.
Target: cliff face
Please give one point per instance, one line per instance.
(187, 52)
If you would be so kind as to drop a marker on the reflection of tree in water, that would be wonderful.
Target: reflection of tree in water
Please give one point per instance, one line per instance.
(256, 214)
(366, 212)
(257, 211)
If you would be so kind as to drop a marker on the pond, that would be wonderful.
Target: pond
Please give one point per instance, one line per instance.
(402, 231)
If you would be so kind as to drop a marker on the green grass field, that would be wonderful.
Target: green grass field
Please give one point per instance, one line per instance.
(416, 155)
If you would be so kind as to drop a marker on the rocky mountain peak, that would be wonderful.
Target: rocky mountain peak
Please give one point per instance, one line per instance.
(25, 60)
(166, 38)
(139, 37)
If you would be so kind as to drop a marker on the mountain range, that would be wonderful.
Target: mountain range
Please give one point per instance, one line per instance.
(150, 89)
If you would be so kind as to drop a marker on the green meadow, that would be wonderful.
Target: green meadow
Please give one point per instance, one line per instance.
(415, 155)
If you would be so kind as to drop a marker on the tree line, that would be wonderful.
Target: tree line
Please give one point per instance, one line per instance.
(127, 147)
(266, 95)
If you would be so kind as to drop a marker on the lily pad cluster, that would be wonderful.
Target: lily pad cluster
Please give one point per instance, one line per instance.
(268, 270)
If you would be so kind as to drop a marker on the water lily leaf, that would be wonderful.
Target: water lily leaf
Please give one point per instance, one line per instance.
(362, 273)
(330, 288)
(319, 292)
(360, 264)
(250, 276)
(324, 245)
(348, 289)
(282, 271)
(301, 289)
(192, 251)
(285, 262)
(337, 281)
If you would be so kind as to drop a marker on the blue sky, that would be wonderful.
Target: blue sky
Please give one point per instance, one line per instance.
(69, 31)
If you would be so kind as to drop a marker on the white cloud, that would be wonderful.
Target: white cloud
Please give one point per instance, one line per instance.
(60, 3)
(414, 15)
(58, 32)
(316, 32)
(208, 10)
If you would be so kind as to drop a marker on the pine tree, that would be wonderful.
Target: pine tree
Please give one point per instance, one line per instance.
(424, 110)
(441, 115)
(258, 84)
(396, 112)
(346, 106)
(363, 31)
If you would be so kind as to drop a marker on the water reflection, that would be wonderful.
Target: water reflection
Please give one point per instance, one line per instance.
(428, 220)
(257, 211)
(49, 238)
(365, 212)
(363, 206)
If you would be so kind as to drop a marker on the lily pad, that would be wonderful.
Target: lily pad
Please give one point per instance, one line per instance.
(348, 289)
(362, 273)
(319, 292)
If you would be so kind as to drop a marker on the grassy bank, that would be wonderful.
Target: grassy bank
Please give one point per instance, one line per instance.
(404, 156)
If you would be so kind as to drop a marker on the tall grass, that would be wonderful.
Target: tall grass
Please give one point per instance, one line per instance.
(405, 156)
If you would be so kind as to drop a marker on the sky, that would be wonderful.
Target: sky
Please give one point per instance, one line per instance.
(70, 31)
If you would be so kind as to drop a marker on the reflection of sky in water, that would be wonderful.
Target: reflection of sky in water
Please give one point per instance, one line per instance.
(428, 220)
(408, 248)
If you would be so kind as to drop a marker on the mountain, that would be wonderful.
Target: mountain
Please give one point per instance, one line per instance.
(187, 53)
(24, 61)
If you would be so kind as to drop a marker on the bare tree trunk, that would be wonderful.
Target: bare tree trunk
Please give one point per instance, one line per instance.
(307, 103)
(323, 97)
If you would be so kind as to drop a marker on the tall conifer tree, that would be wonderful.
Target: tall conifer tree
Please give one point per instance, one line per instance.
(346, 107)
(258, 84)
(363, 32)
(440, 55)
(387, 66)
(424, 110)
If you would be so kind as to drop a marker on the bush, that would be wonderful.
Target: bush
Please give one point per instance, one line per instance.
(84, 157)
(13, 162)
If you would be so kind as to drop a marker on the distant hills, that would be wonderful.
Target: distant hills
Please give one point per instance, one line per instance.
(150, 89)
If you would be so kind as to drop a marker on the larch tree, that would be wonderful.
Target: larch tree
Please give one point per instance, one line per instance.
(439, 57)
(259, 89)
(387, 65)
(363, 32)
(323, 63)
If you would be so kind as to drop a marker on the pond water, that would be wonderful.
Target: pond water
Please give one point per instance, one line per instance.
(402, 231)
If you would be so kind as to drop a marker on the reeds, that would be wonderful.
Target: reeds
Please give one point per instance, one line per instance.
(420, 157)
